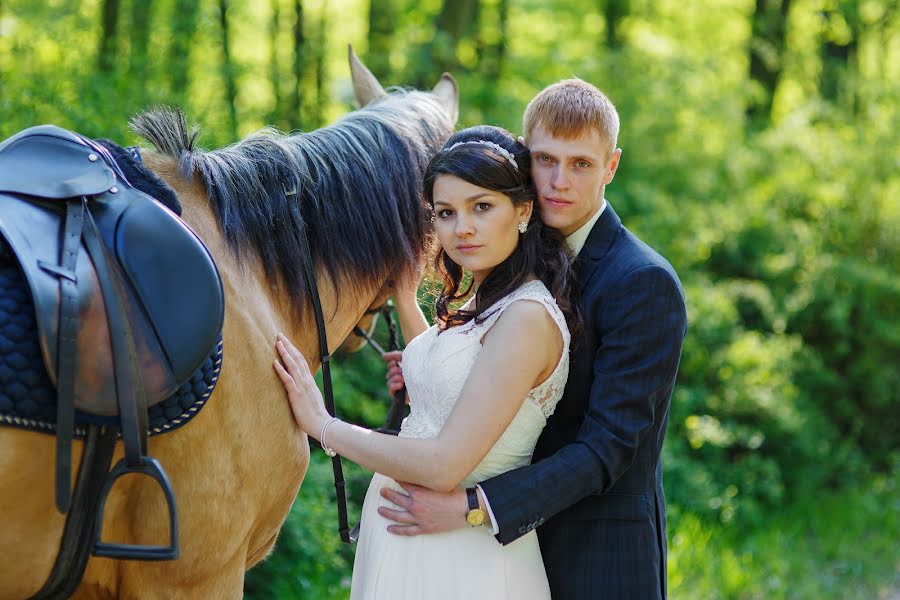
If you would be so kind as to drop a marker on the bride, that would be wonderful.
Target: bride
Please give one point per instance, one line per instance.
(481, 382)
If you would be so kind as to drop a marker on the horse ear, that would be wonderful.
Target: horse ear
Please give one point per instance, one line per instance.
(365, 86)
(448, 93)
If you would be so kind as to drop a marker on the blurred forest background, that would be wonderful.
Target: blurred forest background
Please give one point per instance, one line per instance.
(761, 156)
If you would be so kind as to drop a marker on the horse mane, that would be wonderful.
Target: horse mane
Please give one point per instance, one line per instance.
(358, 184)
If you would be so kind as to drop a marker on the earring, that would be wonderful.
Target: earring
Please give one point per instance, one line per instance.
(523, 227)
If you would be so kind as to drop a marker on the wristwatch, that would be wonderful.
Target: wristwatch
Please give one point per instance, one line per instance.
(475, 516)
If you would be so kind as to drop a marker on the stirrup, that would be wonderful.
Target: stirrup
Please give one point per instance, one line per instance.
(150, 467)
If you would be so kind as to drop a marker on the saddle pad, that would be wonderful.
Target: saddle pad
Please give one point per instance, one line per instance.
(28, 398)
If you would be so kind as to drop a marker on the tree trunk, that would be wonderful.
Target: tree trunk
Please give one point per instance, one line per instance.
(184, 25)
(457, 19)
(382, 24)
(228, 71)
(613, 13)
(495, 53)
(295, 114)
(320, 65)
(274, 64)
(140, 36)
(107, 50)
(838, 51)
(767, 49)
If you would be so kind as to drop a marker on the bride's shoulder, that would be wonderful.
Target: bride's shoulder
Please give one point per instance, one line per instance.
(529, 304)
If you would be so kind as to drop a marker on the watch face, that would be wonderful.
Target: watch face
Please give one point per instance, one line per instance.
(475, 517)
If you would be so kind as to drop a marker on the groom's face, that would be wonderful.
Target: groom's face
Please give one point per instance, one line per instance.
(570, 176)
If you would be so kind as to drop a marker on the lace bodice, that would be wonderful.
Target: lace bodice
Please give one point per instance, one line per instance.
(436, 367)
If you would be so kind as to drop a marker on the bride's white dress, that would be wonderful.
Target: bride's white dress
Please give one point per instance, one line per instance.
(466, 563)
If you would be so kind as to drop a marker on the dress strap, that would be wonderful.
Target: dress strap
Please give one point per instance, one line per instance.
(532, 290)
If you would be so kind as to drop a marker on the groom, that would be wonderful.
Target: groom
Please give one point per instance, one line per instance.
(594, 489)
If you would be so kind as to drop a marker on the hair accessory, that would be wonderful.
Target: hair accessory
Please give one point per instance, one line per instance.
(328, 451)
(503, 151)
(523, 227)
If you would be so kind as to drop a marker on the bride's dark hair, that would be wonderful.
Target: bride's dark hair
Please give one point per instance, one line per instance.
(541, 250)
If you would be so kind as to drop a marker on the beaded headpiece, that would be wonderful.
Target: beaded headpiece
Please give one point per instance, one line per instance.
(500, 149)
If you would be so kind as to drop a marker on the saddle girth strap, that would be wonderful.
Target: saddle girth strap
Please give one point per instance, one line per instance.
(71, 560)
(310, 275)
(132, 399)
(68, 329)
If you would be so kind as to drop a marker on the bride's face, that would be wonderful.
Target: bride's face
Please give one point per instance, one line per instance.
(477, 227)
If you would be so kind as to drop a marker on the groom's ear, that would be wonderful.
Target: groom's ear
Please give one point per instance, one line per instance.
(611, 166)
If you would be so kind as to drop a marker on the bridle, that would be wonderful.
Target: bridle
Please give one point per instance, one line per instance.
(394, 414)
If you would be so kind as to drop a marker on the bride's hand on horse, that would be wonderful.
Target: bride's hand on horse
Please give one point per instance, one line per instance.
(303, 393)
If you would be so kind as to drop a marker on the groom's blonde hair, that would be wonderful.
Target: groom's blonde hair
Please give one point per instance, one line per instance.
(570, 107)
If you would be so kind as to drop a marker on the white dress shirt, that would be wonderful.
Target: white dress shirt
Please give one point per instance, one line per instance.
(577, 239)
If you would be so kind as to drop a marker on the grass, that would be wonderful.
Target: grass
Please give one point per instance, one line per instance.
(841, 545)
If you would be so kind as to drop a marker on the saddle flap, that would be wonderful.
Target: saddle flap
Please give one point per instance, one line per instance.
(175, 279)
(50, 162)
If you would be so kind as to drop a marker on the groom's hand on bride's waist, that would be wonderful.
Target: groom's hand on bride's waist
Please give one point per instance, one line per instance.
(422, 510)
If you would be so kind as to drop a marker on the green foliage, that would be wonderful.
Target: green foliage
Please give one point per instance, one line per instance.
(309, 559)
(836, 546)
(785, 230)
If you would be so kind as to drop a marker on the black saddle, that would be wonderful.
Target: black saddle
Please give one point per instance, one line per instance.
(128, 300)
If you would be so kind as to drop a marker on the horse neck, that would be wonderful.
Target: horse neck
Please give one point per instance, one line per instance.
(250, 297)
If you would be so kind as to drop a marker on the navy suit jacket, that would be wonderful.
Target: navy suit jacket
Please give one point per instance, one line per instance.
(594, 489)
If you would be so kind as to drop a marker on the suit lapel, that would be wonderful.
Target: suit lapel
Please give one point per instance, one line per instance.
(598, 243)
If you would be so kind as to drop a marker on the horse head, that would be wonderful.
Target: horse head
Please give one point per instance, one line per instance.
(367, 89)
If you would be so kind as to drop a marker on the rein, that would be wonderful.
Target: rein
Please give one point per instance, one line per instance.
(310, 275)
(395, 413)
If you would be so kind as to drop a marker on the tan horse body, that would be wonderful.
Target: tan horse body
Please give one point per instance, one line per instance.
(235, 468)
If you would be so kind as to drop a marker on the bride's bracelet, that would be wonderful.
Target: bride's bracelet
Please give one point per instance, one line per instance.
(328, 451)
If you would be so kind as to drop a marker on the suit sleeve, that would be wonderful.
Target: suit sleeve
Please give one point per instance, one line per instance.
(640, 333)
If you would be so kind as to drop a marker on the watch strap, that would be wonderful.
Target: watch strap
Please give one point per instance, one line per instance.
(472, 498)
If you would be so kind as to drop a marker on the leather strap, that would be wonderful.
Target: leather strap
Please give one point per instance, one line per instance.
(74, 549)
(68, 330)
(310, 274)
(472, 498)
(129, 388)
(395, 414)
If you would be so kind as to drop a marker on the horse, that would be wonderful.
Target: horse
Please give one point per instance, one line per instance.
(237, 467)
